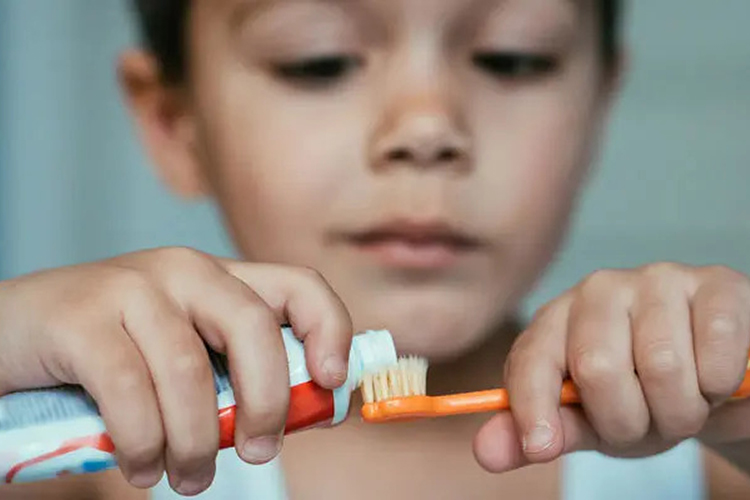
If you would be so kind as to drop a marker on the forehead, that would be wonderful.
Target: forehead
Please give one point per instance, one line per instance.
(238, 10)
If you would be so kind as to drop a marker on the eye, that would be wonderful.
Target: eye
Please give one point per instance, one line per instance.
(317, 71)
(515, 66)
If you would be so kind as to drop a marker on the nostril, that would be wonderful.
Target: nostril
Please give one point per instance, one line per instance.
(400, 155)
(447, 155)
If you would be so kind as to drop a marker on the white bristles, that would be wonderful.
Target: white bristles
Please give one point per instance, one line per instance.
(407, 378)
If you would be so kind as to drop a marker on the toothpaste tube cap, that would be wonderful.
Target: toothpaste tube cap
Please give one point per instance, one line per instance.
(375, 349)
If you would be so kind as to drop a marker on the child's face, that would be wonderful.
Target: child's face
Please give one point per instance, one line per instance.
(423, 155)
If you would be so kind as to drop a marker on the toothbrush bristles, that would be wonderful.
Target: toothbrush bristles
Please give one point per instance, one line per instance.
(407, 378)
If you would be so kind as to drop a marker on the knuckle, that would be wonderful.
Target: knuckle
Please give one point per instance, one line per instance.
(552, 311)
(604, 282)
(662, 270)
(718, 350)
(182, 258)
(652, 307)
(297, 273)
(600, 279)
(543, 312)
(130, 281)
(727, 274)
(722, 326)
(310, 273)
(182, 253)
(517, 358)
(660, 362)
(590, 367)
(311, 276)
(190, 367)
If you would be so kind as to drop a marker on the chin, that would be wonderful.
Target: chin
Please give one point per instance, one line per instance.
(440, 328)
(438, 344)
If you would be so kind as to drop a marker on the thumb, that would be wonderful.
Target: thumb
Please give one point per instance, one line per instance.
(497, 445)
(729, 423)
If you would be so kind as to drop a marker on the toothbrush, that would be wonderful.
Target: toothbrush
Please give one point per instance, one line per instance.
(399, 393)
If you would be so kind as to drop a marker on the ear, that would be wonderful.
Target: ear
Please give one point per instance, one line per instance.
(164, 123)
(615, 76)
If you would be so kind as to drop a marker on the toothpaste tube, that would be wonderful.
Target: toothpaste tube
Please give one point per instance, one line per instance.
(48, 433)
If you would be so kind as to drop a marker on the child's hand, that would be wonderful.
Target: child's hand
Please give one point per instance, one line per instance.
(130, 330)
(652, 352)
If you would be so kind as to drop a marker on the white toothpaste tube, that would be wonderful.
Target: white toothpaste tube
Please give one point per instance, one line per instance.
(48, 433)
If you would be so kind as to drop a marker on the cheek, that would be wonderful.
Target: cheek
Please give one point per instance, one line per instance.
(536, 149)
(276, 172)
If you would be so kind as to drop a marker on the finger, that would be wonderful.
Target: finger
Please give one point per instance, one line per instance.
(497, 445)
(119, 381)
(180, 368)
(663, 349)
(241, 324)
(728, 430)
(721, 322)
(600, 361)
(534, 375)
(303, 298)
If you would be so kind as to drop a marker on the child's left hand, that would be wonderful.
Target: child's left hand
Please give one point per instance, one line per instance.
(653, 352)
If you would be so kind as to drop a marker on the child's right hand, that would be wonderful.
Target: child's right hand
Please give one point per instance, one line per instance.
(130, 330)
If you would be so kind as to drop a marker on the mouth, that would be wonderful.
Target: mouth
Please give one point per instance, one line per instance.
(411, 244)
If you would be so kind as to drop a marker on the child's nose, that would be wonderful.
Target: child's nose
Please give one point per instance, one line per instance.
(421, 133)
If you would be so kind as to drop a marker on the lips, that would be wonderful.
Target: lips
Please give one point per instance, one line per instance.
(414, 244)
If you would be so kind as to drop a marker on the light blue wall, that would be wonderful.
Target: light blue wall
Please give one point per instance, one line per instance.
(76, 184)
(3, 146)
(674, 177)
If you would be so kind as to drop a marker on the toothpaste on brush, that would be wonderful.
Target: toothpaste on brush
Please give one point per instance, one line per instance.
(48, 433)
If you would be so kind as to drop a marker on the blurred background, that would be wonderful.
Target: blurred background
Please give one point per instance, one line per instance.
(672, 183)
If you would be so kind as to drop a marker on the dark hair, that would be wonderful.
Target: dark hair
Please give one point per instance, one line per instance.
(163, 23)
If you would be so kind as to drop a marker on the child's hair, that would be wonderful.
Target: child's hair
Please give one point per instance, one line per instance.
(163, 27)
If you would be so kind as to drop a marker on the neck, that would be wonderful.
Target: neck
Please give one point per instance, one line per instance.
(479, 369)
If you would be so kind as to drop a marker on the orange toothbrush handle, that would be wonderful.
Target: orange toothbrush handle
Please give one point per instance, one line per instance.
(411, 407)
(491, 400)
(497, 399)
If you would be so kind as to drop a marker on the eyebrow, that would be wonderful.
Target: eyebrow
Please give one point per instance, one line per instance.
(240, 11)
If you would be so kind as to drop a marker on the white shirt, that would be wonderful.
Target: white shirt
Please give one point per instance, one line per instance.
(676, 474)
(235, 480)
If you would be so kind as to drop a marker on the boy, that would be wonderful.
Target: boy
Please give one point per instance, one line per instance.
(448, 141)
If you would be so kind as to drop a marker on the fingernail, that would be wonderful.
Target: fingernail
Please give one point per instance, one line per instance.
(335, 368)
(261, 449)
(146, 478)
(195, 484)
(539, 438)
